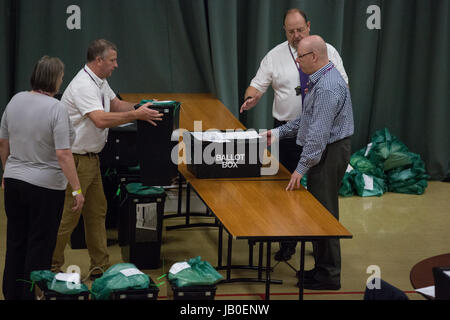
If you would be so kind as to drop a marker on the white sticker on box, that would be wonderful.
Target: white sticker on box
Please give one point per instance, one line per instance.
(179, 266)
(368, 182)
(147, 216)
(130, 272)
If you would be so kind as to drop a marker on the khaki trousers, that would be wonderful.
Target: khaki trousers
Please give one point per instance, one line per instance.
(94, 215)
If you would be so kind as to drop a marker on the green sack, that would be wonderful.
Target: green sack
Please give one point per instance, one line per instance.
(346, 189)
(174, 104)
(121, 276)
(387, 151)
(369, 186)
(138, 188)
(46, 280)
(361, 164)
(409, 179)
(304, 181)
(193, 273)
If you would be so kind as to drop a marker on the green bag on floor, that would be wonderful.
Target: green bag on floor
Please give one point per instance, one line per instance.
(193, 273)
(369, 186)
(346, 189)
(409, 179)
(388, 152)
(121, 276)
(45, 279)
(364, 165)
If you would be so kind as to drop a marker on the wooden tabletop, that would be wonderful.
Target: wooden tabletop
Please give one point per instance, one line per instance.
(264, 209)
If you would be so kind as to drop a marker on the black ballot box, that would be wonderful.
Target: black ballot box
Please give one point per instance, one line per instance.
(199, 292)
(140, 224)
(224, 154)
(121, 147)
(155, 145)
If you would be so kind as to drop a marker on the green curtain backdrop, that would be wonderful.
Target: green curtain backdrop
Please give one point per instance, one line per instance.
(398, 74)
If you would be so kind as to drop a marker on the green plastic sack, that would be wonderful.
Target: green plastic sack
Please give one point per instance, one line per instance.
(304, 181)
(369, 186)
(46, 280)
(346, 189)
(387, 151)
(174, 104)
(364, 165)
(139, 189)
(193, 273)
(409, 179)
(121, 276)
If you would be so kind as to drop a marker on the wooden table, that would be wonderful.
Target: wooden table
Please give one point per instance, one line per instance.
(252, 208)
(421, 274)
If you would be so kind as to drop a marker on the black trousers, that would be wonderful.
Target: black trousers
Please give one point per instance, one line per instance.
(323, 182)
(33, 216)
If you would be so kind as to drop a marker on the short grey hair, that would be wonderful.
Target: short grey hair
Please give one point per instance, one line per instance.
(98, 48)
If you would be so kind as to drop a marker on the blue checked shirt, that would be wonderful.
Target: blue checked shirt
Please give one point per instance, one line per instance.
(327, 117)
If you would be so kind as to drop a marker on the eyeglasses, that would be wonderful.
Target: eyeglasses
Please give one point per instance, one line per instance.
(299, 30)
(301, 56)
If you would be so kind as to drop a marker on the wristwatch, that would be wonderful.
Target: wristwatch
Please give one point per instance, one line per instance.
(74, 193)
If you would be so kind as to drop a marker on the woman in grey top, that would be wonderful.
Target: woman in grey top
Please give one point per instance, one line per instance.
(35, 141)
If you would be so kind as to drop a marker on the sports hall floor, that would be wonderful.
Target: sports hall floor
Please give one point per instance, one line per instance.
(392, 232)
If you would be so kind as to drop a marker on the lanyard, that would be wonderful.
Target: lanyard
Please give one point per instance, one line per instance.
(295, 62)
(103, 96)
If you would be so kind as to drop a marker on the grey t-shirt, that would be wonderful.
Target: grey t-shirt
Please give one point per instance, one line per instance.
(36, 125)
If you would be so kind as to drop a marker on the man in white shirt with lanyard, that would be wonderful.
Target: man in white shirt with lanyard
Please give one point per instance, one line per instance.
(280, 70)
(93, 107)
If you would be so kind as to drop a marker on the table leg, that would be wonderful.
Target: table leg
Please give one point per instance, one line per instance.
(302, 269)
(260, 260)
(220, 245)
(230, 241)
(269, 246)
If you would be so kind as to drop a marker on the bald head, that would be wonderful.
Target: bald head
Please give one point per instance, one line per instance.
(312, 52)
(315, 44)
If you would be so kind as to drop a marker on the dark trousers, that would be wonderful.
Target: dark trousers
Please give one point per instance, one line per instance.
(33, 216)
(323, 182)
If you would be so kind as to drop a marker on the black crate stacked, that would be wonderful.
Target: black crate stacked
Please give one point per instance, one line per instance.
(43, 293)
(200, 292)
(140, 225)
(155, 145)
(150, 293)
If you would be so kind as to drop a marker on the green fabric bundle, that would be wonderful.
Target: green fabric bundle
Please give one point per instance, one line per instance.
(121, 276)
(384, 165)
(46, 280)
(192, 273)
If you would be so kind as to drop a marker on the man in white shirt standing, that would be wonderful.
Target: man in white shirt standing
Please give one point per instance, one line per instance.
(93, 107)
(280, 70)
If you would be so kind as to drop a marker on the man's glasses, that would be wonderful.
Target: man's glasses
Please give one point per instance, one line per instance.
(301, 56)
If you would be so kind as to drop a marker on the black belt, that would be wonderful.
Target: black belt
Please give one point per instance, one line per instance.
(87, 154)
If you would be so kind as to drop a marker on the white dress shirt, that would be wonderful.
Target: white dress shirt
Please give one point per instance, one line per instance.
(87, 93)
(279, 70)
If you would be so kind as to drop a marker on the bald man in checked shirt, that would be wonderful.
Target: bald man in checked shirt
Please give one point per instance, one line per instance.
(323, 130)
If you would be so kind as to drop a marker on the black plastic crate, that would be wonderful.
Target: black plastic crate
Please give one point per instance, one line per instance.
(202, 292)
(42, 293)
(121, 147)
(155, 145)
(141, 246)
(150, 293)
